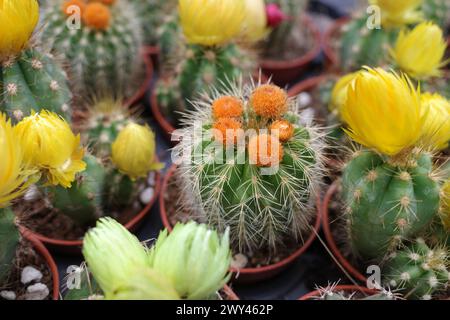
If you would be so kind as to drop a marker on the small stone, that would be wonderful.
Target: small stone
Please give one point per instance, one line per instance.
(38, 291)
(8, 295)
(30, 274)
(304, 99)
(146, 195)
(239, 261)
(151, 179)
(32, 194)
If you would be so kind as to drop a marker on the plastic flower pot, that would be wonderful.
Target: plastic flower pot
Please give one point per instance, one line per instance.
(74, 246)
(43, 252)
(330, 51)
(247, 275)
(147, 53)
(326, 226)
(346, 288)
(286, 72)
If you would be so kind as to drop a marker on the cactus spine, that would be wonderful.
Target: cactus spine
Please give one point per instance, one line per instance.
(34, 81)
(386, 202)
(9, 240)
(262, 208)
(104, 55)
(417, 270)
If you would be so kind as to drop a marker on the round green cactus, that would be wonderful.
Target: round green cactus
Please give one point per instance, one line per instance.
(103, 58)
(417, 270)
(263, 204)
(83, 201)
(34, 81)
(387, 203)
(360, 46)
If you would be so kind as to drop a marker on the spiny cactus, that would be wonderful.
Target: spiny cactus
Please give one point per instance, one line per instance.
(263, 188)
(104, 51)
(9, 240)
(333, 294)
(280, 37)
(361, 46)
(33, 81)
(388, 203)
(83, 201)
(417, 270)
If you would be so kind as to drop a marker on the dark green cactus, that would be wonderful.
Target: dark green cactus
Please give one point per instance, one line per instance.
(360, 46)
(9, 240)
(83, 201)
(202, 69)
(120, 191)
(152, 13)
(101, 61)
(387, 203)
(418, 271)
(34, 81)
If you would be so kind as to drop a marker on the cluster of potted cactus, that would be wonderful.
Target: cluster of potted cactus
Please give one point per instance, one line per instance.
(256, 169)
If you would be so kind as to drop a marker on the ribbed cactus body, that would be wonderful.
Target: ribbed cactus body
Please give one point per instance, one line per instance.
(101, 61)
(418, 271)
(281, 35)
(387, 203)
(9, 240)
(437, 11)
(202, 69)
(360, 46)
(83, 201)
(34, 81)
(120, 191)
(152, 13)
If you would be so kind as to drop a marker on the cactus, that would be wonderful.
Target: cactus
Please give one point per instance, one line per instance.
(386, 202)
(264, 196)
(10, 237)
(333, 294)
(83, 201)
(361, 46)
(417, 270)
(104, 53)
(280, 37)
(437, 11)
(33, 81)
(201, 69)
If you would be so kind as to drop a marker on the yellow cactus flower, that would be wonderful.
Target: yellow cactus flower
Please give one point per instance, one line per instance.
(445, 210)
(50, 145)
(383, 111)
(133, 152)
(211, 22)
(18, 18)
(15, 176)
(339, 92)
(436, 129)
(397, 13)
(420, 52)
(255, 24)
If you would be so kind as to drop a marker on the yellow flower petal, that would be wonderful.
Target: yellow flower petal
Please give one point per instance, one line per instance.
(18, 18)
(211, 22)
(397, 13)
(436, 129)
(49, 144)
(383, 111)
(420, 52)
(339, 93)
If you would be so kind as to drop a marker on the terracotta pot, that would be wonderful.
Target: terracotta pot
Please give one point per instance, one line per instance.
(42, 250)
(230, 293)
(248, 275)
(345, 288)
(74, 246)
(331, 54)
(153, 52)
(352, 271)
(147, 53)
(307, 85)
(167, 127)
(286, 72)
